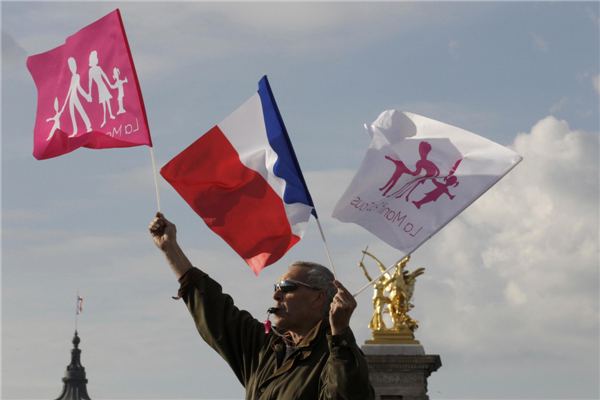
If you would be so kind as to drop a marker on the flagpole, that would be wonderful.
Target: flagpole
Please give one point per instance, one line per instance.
(155, 177)
(364, 254)
(326, 248)
(77, 309)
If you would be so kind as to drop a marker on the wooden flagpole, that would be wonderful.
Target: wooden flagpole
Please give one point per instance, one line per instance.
(155, 178)
(326, 248)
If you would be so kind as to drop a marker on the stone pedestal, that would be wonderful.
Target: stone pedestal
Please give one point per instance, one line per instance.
(403, 336)
(400, 371)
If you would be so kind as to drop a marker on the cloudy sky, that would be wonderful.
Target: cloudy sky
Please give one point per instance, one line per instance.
(510, 296)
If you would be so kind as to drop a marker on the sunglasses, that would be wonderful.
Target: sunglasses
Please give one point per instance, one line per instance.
(289, 286)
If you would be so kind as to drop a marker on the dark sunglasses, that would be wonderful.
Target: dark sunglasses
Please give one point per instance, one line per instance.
(289, 286)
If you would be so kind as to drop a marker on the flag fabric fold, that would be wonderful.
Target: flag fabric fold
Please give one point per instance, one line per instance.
(88, 93)
(419, 174)
(243, 179)
(79, 305)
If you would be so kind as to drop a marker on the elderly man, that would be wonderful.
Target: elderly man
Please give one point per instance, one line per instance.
(312, 354)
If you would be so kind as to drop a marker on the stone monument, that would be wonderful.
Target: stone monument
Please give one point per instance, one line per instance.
(398, 365)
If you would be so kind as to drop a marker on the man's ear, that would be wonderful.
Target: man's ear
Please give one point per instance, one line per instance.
(320, 298)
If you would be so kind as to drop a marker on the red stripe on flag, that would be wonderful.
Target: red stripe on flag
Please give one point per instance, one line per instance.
(233, 200)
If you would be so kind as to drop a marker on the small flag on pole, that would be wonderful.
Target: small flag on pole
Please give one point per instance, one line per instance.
(79, 305)
(242, 177)
(418, 175)
(88, 93)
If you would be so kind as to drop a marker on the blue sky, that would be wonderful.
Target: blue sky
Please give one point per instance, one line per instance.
(509, 299)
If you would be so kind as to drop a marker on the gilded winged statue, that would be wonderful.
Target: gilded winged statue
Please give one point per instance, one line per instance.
(400, 287)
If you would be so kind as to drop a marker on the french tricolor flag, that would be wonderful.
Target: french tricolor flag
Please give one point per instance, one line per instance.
(242, 177)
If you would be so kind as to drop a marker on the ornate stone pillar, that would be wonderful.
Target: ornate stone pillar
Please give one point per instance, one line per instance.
(400, 371)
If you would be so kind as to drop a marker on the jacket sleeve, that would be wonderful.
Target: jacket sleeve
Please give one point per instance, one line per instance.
(232, 332)
(346, 375)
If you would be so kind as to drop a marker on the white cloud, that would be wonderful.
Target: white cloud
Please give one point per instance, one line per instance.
(539, 43)
(275, 28)
(525, 255)
(596, 83)
(198, 31)
(514, 294)
(558, 106)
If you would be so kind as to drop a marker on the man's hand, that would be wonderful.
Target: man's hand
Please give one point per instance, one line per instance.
(164, 235)
(342, 307)
(164, 232)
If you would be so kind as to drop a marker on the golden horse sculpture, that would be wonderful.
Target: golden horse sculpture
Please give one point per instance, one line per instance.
(400, 287)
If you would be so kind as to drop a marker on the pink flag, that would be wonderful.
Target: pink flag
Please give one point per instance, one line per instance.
(79, 305)
(88, 93)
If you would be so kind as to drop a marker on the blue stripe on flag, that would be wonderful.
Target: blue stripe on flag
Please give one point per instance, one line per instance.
(287, 166)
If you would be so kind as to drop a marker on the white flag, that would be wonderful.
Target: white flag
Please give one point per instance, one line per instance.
(417, 175)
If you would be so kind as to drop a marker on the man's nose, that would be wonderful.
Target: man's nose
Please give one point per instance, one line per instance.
(278, 295)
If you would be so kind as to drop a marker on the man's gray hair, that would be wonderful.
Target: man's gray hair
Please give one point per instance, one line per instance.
(321, 278)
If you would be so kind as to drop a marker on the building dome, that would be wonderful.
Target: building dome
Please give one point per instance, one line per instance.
(74, 381)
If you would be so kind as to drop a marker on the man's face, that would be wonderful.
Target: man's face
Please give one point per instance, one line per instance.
(298, 308)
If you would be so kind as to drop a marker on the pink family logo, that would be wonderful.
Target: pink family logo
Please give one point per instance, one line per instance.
(95, 75)
(441, 185)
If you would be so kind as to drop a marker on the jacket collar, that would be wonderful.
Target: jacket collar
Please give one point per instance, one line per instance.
(315, 333)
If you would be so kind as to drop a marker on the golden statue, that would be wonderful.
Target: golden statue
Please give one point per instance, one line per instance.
(400, 287)
(379, 300)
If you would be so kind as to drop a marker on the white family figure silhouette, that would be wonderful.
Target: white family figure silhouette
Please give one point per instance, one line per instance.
(73, 98)
(56, 119)
(96, 74)
(119, 84)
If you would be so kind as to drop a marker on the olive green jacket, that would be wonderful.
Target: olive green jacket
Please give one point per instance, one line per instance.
(324, 367)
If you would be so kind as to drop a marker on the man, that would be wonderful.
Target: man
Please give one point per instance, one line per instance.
(311, 356)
